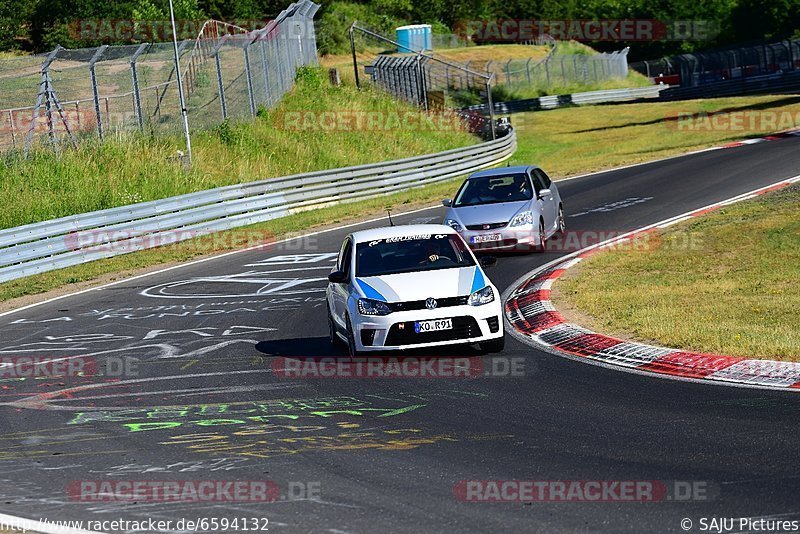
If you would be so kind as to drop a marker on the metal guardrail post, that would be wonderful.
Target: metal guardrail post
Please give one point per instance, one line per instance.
(263, 51)
(287, 49)
(13, 129)
(220, 85)
(137, 100)
(249, 77)
(547, 72)
(491, 105)
(43, 88)
(422, 82)
(353, 51)
(95, 92)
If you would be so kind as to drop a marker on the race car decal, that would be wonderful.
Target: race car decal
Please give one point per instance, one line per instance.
(478, 281)
(369, 291)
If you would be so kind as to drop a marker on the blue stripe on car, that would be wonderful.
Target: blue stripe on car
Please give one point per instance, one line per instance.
(369, 291)
(478, 282)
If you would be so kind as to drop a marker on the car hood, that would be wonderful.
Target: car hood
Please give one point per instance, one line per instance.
(420, 285)
(489, 213)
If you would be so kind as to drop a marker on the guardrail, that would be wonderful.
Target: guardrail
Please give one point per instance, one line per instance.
(54, 244)
(555, 101)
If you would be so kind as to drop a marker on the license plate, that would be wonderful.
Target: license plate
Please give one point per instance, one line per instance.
(486, 238)
(420, 327)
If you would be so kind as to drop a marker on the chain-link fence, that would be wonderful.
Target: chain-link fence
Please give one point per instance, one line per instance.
(66, 96)
(564, 69)
(731, 63)
(409, 76)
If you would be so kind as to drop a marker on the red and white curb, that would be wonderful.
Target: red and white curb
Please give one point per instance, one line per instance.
(772, 137)
(533, 317)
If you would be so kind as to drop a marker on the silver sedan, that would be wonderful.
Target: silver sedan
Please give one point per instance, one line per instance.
(507, 208)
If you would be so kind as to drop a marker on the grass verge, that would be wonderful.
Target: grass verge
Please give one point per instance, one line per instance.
(725, 283)
(137, 168)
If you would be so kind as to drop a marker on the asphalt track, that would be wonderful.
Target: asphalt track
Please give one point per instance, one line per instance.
(202, 402)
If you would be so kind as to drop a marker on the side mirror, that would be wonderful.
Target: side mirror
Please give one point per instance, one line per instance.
(488, 261)
(337, 277)
(544, 193)
(447, 202)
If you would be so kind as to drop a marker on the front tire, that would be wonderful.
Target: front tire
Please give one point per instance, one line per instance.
(562, 222)
(541, 245)
(494, 345)
(334, 336)
(351, 340)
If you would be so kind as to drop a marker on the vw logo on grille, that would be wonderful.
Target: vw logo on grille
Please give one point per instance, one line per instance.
(487, 226)
(431, 303)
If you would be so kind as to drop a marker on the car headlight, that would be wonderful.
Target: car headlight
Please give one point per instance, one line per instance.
(524, 217)
(373, 307)
(482, 296)
(452, 223)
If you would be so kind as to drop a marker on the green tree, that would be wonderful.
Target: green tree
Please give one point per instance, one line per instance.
(14, 17)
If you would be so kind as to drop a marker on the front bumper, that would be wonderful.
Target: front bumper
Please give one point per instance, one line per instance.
(518, 237)
(471, 324)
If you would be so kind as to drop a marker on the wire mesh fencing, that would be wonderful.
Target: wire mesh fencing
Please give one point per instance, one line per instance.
(423, 77)
(556, 69)
(66, 96)
(730, 63)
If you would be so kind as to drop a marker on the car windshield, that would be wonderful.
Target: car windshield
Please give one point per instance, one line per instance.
(411, 253)
(494, 189)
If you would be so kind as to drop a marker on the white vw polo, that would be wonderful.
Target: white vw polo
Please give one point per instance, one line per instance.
(413, 286)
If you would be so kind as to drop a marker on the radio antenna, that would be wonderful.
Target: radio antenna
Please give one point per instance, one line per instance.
(391, 222)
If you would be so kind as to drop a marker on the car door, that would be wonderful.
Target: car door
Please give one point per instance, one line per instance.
(547, 203)
(340, 292)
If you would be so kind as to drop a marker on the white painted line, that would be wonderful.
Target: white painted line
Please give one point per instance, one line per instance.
(572, 263)
(676, 221)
